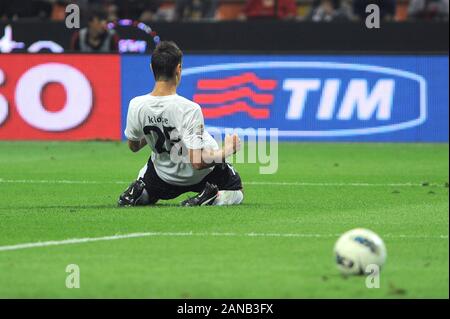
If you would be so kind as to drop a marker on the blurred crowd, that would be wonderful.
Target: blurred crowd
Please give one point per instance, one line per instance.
(194, 10)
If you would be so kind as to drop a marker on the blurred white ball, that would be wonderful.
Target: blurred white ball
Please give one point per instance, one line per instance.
(357, 249)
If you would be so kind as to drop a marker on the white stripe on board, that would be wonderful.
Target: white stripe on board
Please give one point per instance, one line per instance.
(193, 234)
(320, 184)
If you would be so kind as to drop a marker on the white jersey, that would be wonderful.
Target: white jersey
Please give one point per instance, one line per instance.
(167, 123)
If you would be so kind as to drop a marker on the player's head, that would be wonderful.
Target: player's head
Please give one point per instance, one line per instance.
(166, 62)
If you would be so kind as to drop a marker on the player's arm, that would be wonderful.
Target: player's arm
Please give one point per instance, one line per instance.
(199, 156)
(136, 146)
(204, 158)
(133, 131)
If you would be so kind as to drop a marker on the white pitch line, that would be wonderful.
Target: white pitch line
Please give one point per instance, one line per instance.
(191, 234)
(319, 184)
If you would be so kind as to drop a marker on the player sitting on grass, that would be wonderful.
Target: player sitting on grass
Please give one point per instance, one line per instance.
(185, 157)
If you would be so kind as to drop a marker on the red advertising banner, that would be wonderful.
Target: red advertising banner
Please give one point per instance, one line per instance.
(60, 97)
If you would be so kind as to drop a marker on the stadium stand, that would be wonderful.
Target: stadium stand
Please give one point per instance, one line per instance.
(170, 10)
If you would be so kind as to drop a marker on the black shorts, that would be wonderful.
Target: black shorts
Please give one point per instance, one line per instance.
(223, 175)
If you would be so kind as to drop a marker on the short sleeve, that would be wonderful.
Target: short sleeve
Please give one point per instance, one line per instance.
(193, 125)
(133, 131)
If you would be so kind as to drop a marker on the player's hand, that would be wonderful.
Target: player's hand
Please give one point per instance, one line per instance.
(232, 144)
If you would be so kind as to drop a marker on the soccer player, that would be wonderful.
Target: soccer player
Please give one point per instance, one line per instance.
(185, 158)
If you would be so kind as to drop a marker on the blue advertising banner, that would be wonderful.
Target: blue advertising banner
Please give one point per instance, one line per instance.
(312, 98)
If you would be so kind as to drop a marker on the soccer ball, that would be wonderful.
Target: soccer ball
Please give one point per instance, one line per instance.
(357, 249)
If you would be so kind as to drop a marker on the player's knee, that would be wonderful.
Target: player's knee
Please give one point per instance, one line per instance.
(147, 199)
(239, 197)
(226, 198)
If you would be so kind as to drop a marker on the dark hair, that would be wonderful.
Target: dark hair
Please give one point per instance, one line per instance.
(165, 58)
(96, 13)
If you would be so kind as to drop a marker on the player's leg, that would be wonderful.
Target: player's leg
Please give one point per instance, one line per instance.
(206, 196)
(227, 197)
(136, 194)
(148, 189)
(221, 187)
(229, 184)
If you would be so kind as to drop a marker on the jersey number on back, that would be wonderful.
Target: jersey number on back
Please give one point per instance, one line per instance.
(162, 136)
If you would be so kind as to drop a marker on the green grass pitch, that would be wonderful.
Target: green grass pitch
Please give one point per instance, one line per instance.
(210, 252)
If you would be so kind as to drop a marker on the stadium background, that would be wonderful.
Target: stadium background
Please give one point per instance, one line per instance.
(416, 46)
(63, 162)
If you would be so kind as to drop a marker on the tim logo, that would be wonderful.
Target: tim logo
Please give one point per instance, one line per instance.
(245, 92)
(309, 98)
